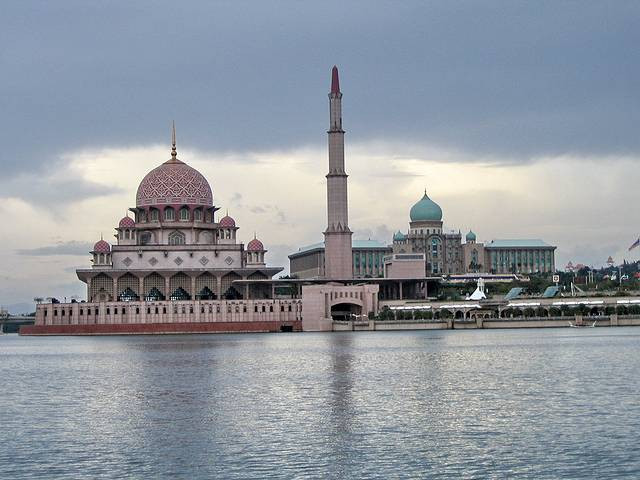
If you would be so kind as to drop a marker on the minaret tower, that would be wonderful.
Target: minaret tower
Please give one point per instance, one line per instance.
(337, 236)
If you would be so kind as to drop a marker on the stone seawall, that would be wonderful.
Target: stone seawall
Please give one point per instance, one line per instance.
(487, 323)
(163, 328)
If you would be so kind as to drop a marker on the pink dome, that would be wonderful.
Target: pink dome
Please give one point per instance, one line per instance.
(255, 245)
(101, 247)
(227, 222)
(174, 183)
(127, 222)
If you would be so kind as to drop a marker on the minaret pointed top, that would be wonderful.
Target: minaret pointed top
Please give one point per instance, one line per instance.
(335, 81)
(174, 152)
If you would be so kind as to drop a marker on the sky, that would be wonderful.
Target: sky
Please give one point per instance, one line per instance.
(519, 118)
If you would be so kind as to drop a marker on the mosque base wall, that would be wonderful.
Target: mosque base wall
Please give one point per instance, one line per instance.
(167, 317)
(163, 328)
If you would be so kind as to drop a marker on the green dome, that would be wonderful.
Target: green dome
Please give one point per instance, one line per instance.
(426, 210)
(471, 237)
(399, 236)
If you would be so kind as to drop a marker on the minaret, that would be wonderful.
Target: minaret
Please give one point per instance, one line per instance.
(337, 236)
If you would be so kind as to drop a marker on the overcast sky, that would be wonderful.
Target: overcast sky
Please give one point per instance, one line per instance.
(520, 118)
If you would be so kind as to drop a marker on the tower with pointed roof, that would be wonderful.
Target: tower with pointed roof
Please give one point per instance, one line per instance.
(337, 236)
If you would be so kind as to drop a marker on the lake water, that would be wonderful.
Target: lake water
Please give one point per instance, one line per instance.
(554, 403)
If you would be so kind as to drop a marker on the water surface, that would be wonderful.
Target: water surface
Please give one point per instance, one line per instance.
(548, 403)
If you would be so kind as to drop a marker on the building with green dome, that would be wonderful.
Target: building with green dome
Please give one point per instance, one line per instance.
(446, 254)
(443, 250)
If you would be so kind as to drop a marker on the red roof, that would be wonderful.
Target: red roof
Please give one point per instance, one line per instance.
(255, 245)
(174, 183)
(335, 81)
(227, 222)
(101, 247)
(127, 222)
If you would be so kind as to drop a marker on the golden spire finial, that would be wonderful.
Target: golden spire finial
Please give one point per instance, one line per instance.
(174, 152)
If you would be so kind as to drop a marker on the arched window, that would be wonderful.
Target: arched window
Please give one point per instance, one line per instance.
(142, 216)
(435, 246)
(184, 214)
(145, 238)
(176, 238)
(169, 214)
(197, 215)
(206, 237)
(155, 215)
(126, 234)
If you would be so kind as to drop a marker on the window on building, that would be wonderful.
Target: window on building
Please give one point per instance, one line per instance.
(184, 214)
(169, 215)
(155, 215)
(176, 238)
(197, 215)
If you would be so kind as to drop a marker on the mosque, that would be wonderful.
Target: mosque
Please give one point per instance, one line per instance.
(175, 267)
(173, 248)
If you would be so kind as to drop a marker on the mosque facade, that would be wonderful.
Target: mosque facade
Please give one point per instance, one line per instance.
(172, 247)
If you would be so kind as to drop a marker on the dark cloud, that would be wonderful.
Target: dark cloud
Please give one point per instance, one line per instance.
(236, 198)
(52, 187)
(382, 233)
(61, 248)
(277, 213)
(278, 256)
(516, 79)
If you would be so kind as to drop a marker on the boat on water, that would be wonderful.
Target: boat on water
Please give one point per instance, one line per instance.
(582, 325)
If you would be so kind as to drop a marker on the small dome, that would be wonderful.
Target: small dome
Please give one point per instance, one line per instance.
(399, 236)
(255, 245)
(101, 247)
(227, 222)
(426, 210)
(127, 222)
(471, 237)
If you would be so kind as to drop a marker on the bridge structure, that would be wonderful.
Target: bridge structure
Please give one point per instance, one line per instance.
(12, 323)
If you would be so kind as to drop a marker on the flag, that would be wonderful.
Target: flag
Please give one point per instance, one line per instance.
(635, 244)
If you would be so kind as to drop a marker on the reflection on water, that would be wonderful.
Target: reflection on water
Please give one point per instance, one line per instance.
(530, 403)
